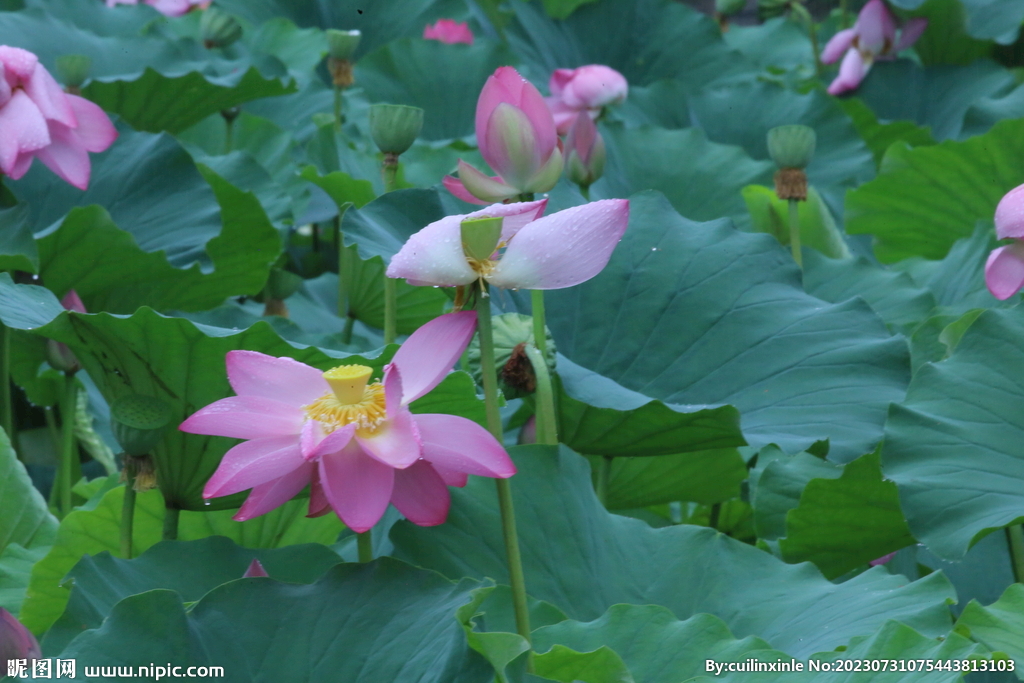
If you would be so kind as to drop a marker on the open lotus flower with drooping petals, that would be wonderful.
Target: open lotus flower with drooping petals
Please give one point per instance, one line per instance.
(1004, 270)
(355, 441)
(517, 138)
(39, 120)
(170, 8)
(449, 31)
(588, 88)
(872, 38)
(16, 641)
(557, 251)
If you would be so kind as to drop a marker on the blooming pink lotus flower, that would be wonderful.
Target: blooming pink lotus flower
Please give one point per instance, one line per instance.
(16, 641)
(1004, 270)
(170, 8)
(449, 31)
(588, 88)
(355, 441)
(517, 138)
(585, 153)
(560, 250)
(39, 120)
(872, 38)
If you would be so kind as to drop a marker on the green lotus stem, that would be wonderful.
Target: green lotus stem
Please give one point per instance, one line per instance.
(585, 191)
(1015, 537)
(229, 135)
(716, 512)
(337, 109)
(508, 516)
(604, 470)
(794, 232)
(128, 507)
(844, 14)
(812, 33)
(68, 452)
(539, 325)
(547, 419)
(6, 396)
(171, 515)
(364, 543)
(346, 334)
(390, 309)
(390, 172)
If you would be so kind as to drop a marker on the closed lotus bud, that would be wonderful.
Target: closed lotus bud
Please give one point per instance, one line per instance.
(791, 148)
(60, 357)
(394, 127)
(584, 150)
(218, 28)
(16, 641)
(728, 7)
(73, 70)
(255, 570)
(342, 44)
(138, 422)
(512, 332)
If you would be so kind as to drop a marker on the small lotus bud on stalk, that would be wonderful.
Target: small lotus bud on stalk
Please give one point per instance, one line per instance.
(280, 285)
(585, 153)
(341, 46)
(218, 29)
(16, 642)
(726, 8)
(791, 148)
(73, 71)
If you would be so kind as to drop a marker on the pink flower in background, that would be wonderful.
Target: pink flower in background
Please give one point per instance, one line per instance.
(255, 570)
(517, 138)
(588, 88)
(58, 354)
(449, 31)
(16, 641)
(882, 560)
(872, 38)
(1004, 270)
(557, 251)
(39, 120)
(170, 8)
(356, 442)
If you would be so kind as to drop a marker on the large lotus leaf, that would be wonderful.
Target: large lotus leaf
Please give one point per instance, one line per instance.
(894, 296)
(947, 40)
(695, 313)
(702, 179)
(24, 516)
(15, 571)
(953, 447)
(926, 198)
(942, 98)
(90, 531)
(778, 45)
(1000, 626)
(841, 524)
(584, 560)
(818, 229)
(880, 136)
(17, 248)
(707, 477)
(565, 665)
(189, 568)
(380, 21)
(381, 227)
(776, 484)
(639, 38)
(444, 80)
(363, 623)
(364, 295)
(109, 270)
(300, 49)
(993, 19)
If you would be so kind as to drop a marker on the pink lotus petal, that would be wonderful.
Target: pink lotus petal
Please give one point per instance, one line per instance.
(72, 302)
(283, 379)
(563, 114)
(510, 146)
(488, 189)
(594, 86)
(449, 31)
(559, 79)
(171, 8)
(274, 494)
(875, 27)
(335, 442)
(21, 165)
(430, 352)
(1010, 214)
(563, 249)
(24, 130)
(421, 495)
(838, 45)
(455, 186)
(16, 641)
(255, 570)
(252, 463)
(357, 486)
(531, 102)
(882, 560)
(246, 417)
(396, 443)
(95, 131)
(19, 64)
(504, 85)
(392, 388)
(1004, 271)
(318, 503)
(50, 97)
(851, 72)
(66, 156)
(451, 477)
(434, 256)
(912, 30)
(455, 443)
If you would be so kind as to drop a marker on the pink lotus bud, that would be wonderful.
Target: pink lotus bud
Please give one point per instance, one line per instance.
(57, 354)
(517, 138)
(449, 31)
(588, 88)
(1004, 270)
(584, 151)
(255, 570)
(16, 641)
(170, 8)
(39, 120)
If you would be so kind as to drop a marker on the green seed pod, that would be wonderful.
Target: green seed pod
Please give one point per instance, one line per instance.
(342, 44)
(512, 331)
(394, 127)
(138, 422)
(73, 70)
(480, 237)
(218, 28)
(729, 7)
(791, 146)
(769, 9)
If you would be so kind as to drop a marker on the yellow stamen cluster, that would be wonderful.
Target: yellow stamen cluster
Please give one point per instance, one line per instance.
(486, 267)
(351, 401)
